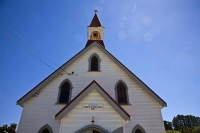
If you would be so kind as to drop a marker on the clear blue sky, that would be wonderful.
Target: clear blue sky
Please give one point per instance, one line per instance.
(158, 40)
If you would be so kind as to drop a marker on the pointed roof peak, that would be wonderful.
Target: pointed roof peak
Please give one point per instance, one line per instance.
(95, 21)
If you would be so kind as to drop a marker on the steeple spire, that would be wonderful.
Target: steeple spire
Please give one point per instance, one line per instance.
(95, 21)
(95, 31)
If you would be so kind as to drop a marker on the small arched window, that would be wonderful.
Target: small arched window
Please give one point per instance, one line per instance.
(121, 93)
(94, 63)
(64, 93)
(45, 129)
(138, 129)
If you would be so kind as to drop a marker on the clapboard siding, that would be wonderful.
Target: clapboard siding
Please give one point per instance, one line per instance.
(143, 109)
(78, 118)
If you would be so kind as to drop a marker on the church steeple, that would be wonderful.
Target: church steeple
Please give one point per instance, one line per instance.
(95, 21)
(95, 31)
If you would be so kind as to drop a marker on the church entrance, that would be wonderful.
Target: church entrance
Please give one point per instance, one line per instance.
(91, 131)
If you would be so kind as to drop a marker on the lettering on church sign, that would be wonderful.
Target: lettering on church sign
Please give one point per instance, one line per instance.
(93, 106)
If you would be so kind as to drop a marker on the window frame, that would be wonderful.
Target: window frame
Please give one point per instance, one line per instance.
(126, 89)
(99, 62)
(59, 91)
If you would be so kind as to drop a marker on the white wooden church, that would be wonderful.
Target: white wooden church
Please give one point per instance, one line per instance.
(93, 92)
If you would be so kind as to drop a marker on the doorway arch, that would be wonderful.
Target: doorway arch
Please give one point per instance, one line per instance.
(92, 129)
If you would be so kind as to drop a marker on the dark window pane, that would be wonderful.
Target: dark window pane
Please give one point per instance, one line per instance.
(121, 93)
(94, 131)
(64, 93)
(45, 131)
(94, 64)
(138, 131)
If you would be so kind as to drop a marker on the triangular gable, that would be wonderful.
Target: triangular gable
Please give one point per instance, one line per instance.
(92, 86)
(64, 66)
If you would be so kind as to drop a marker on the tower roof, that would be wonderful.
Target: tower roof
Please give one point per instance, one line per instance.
(95, 21)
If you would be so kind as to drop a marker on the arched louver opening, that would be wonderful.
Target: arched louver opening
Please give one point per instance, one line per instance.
(121, 94)
(94, 64)
(64, 93)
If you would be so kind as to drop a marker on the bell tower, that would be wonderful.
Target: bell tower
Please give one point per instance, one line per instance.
(95, 31)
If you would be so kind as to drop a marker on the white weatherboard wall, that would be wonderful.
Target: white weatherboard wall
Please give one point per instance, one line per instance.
(144, 110)
(78, 118)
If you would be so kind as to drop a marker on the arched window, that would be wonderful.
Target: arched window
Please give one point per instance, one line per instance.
(138, 129)
(94, 62)
(121, 93)
(45, 129)
(64, 92)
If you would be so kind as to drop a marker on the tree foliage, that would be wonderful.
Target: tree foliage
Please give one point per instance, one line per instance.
(168, 125)
(185, 124)
(196, 130)
(8, 129)
(172, 131)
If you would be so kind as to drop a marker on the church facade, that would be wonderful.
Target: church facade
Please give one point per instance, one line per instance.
(93, 92)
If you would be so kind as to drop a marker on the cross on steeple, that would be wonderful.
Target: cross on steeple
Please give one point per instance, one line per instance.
(95, 11)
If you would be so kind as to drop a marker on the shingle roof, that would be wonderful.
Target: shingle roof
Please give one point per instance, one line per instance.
(89, 42)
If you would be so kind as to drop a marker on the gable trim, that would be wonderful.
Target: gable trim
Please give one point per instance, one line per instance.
(93, 85)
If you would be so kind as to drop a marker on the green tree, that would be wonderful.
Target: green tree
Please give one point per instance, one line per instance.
(8, 129)
(185, 124)
(168, 125)
(196, 129)
(172, 131)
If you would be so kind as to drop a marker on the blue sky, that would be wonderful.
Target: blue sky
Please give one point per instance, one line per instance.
(157, 40)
